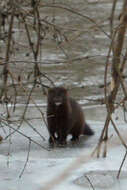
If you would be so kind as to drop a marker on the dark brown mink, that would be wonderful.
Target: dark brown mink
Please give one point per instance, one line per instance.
(64, 116)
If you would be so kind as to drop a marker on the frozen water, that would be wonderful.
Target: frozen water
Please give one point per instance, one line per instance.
(43, 166)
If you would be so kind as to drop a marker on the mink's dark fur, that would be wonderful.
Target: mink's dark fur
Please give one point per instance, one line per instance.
(65, 116)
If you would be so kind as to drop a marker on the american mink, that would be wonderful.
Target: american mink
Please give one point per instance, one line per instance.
(64, 116)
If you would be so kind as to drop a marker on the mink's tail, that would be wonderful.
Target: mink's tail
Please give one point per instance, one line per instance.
(88, 130)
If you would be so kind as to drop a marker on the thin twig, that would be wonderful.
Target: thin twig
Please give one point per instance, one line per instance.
(27, 159)
(118, 175)
(89, 182)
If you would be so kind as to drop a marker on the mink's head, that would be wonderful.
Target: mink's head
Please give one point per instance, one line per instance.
(57, 95)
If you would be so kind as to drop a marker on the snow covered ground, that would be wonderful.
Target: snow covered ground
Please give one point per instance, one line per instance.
(72, 163)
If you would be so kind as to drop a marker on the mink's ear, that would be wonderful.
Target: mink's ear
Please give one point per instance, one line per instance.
(48, 91)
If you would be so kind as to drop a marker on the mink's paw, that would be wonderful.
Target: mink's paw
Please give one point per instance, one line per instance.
(62, 143)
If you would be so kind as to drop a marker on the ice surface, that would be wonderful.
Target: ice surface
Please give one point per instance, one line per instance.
(44, 166)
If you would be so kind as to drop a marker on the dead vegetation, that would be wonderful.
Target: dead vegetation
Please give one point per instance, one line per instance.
(27, 17)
